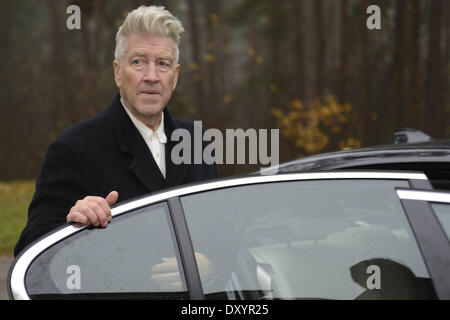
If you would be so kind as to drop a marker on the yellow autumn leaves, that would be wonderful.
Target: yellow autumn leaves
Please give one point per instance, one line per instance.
(312, 125)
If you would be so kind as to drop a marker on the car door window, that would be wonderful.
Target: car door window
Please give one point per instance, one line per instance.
(443, 214)
(115, 262)
(331, 239)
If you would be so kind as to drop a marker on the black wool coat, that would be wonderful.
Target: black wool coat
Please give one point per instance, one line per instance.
(97, 156)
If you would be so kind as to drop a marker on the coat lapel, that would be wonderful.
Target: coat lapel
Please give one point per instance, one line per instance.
(146, 170)
(175, 174)
(142, 165)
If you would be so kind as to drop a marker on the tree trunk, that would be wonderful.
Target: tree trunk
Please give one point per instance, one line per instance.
(56, 64)
(414, 95)
(196, 57)
(5, 91)
(299, 52)
(398, 103)
(56, 25)
(211, 71)
(446, 81)
(320, 47)
(344, 49)
(433, 99)
(366, 112)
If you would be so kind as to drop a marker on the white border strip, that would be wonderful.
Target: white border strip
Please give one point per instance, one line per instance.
(262, 179)
(18, 273)
(419, 195)
(21, 266)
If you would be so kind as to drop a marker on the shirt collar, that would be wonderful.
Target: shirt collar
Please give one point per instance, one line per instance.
(145, 131)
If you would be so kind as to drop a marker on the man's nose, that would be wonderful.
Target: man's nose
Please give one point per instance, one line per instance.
(151, 73)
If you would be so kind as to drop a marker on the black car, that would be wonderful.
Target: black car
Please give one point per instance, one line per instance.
(411, 150)
(360, 231)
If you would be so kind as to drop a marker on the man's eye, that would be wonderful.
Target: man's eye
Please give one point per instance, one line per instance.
(163, 64)
(136, 62)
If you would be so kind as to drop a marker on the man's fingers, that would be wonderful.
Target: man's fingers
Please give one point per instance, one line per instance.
(84, 215)
(96, 210)
(170, 281)
(166, 277)
(102, 216)
(92, 217)
(112, 197)
(102, 203)
(167, 274)
(77, 217)
(165, 267)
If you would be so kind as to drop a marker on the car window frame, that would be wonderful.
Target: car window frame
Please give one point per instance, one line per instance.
(18, 269)
(61, 233)
(431, 238)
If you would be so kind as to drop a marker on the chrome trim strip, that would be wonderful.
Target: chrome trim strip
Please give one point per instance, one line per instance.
(21, 266)
(262, 179)
(18, 273)
(431, 196)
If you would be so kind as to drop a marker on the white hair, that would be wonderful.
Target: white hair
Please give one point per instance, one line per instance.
(148, 20)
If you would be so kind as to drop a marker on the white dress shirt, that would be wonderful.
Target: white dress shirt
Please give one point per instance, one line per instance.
(155, 140)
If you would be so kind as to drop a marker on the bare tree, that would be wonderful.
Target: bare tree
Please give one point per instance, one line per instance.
(344, 50)
(298, 48)
(398, 69)
(320, 47)
(413, 99)
(433, 100)
(196, 55)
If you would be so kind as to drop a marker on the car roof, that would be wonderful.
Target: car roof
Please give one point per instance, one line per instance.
(431, 157)
(435, 151)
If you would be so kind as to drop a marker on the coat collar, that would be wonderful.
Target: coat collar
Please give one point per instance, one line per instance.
(143, 165)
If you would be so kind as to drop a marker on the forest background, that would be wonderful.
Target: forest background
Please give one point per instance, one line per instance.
(311, 68)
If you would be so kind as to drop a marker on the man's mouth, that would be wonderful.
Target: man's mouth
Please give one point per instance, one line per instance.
(152, 92)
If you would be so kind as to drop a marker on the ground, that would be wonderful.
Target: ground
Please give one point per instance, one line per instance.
(5, 263)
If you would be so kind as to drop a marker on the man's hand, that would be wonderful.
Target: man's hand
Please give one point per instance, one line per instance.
(93, 210)
(167, 274)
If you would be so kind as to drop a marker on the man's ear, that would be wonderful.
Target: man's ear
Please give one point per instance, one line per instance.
(177, 72)
(116, 67)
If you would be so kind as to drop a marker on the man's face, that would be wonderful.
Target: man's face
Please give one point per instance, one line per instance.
(147, 74)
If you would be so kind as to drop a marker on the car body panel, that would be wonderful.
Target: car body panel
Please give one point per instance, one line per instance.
(432, 239)
(18, 270)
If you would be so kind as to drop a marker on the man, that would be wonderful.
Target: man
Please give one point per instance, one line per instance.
(123, 152)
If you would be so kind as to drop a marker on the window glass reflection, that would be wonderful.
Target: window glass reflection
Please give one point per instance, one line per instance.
(339, 239)
(118, 261)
